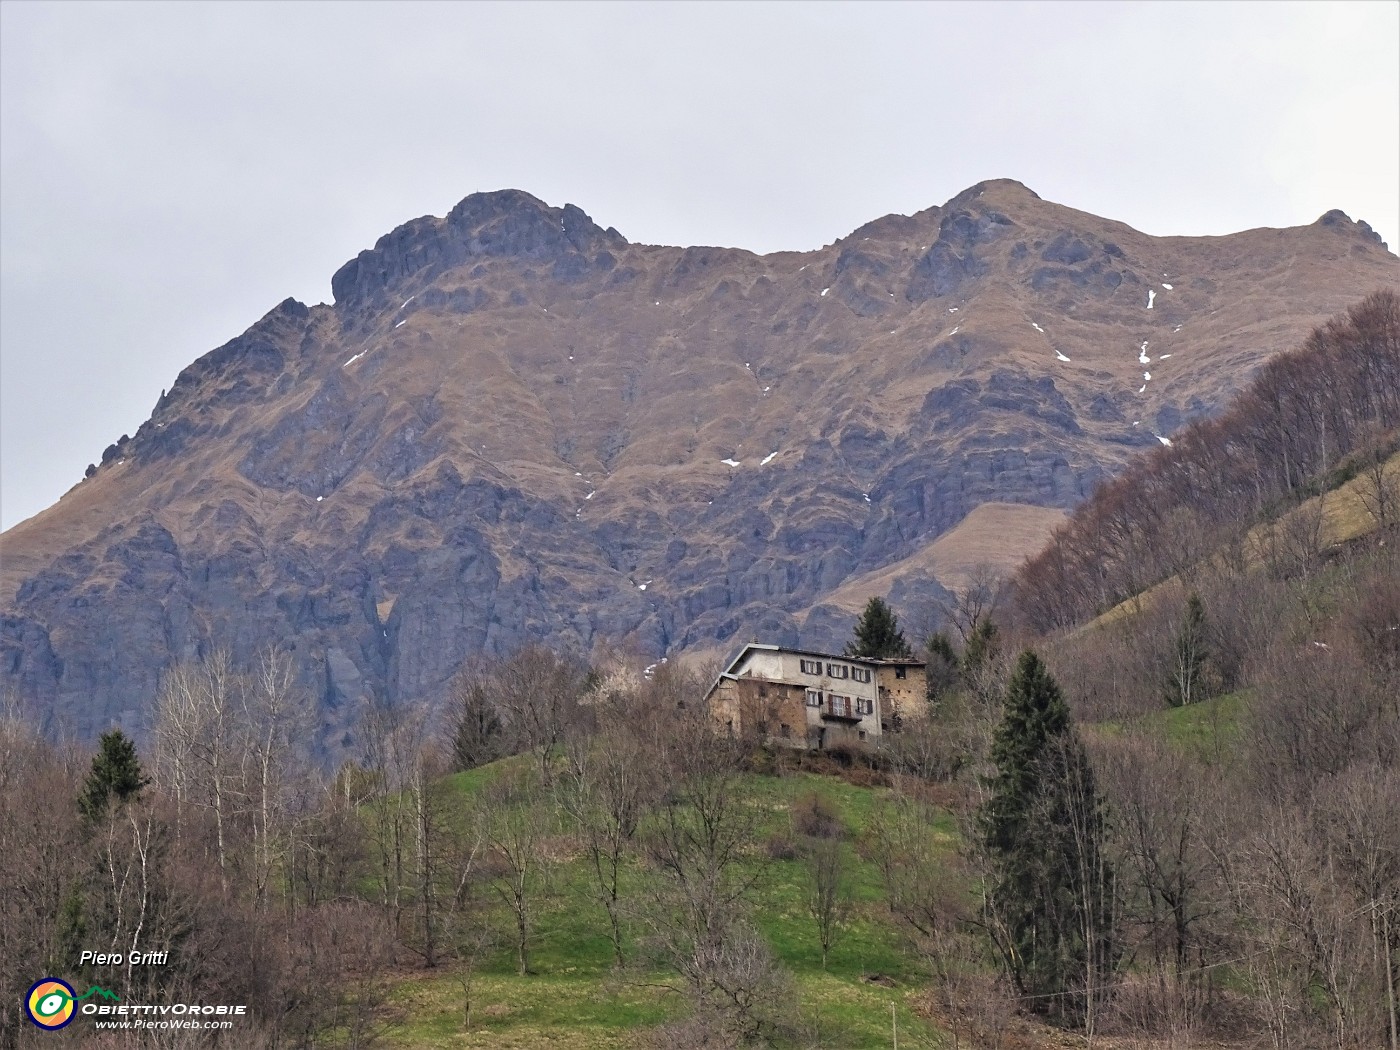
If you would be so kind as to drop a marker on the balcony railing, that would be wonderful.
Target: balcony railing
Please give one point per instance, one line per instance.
(841, 711)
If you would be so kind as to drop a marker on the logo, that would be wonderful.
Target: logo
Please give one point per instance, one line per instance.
(50, 1003)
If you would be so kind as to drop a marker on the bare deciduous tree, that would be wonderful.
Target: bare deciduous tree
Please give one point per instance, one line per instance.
(612, 780)
(514, 823)
(828, 889)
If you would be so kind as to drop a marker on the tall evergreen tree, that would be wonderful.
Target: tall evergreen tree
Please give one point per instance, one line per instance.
(877, 634)
(1042, 827)
(1190, 651)
(982, 647)
(115, 775)
(941, 672)
(479, 737)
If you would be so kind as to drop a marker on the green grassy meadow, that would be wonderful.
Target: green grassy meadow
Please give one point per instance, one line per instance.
(575, 998)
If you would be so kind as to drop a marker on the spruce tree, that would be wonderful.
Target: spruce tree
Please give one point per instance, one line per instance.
(1042, 827)
(1186, 683)
(479, 737)
(877, 634)
(940, 668)
(981, 649)
(115, 775)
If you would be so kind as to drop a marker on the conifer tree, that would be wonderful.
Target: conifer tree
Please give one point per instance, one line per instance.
(877, 634)
(982, 646)
(1186, 684)
(940, 668)
(115, 775)
(1042, 828)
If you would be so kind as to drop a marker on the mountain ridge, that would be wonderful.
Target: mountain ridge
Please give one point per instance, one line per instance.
(513, 424)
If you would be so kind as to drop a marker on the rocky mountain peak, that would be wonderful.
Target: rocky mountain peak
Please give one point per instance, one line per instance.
(1338, 219)
(499, 224)
(993, 193)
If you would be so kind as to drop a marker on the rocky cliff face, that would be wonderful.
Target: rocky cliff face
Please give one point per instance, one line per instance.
(514, 425)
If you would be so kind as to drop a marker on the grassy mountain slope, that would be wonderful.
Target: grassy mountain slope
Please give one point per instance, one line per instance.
(576, 999)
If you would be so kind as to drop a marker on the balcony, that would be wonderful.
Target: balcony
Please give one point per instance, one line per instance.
(840, 711)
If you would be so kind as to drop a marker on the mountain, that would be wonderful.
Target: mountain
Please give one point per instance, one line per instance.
(513, 424)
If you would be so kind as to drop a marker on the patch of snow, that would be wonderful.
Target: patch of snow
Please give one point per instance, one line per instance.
(591, 494)
(825, 290)
(1177, 328)
(952, 309)
(571, 357)
(1143, 359)
(802, 267)
(402, 323)
(731, 462)
(956, 330)
(767, 459)
(354, 359)
(1147, 377)
(1164, 357)
(766, 389)
(1142, 388)
(867, 496)
(1038, 328)
(1136, 422)
(1151, 294)
(1165, 441)
(1060, 356)
(657, 303)
(1167, 287)
(320, 498)
(407, 301)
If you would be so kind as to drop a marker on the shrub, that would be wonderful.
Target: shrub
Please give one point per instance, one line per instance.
(814, 816)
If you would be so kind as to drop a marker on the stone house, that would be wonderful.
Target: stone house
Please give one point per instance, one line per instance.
(815, 700)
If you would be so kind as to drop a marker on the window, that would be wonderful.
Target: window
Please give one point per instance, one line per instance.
(899, 672)
(784, 730)
(862, 734)
(865, 706)
(838, 670)
(860, 674)
(810, 666)
(814, 698)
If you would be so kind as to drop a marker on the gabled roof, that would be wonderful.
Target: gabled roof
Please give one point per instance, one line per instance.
(751, 646)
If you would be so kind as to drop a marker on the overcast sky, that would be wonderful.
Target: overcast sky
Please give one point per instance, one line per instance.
(172, 171)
